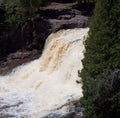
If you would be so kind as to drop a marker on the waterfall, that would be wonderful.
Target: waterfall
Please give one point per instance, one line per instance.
(44, 85)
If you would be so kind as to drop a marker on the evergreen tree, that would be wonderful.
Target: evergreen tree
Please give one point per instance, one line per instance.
(102, 57)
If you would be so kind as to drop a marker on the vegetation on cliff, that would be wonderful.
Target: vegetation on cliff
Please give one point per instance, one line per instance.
(100, 73)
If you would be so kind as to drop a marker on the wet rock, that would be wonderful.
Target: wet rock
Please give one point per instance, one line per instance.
(52, 115)
(73, 111)
(15, 59)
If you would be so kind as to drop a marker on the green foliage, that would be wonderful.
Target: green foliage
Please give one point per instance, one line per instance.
(15, 11)
(102, 55)
(12, 19)
(14, 2)
(109, 95)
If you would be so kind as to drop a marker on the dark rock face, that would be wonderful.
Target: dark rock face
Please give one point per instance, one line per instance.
(74, 111)
(31, 34)
(15, 59)
(60, 17)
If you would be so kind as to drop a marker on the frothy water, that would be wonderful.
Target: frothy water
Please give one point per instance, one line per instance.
(44, 85)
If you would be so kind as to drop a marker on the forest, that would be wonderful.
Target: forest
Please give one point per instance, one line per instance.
(101, 65)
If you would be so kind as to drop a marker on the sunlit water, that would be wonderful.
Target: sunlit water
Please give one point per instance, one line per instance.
(43, 85)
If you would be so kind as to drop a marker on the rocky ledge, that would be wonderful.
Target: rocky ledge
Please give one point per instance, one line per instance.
(73, 111)
(19, 46)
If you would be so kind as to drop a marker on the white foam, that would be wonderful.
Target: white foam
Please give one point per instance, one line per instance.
(41, 86)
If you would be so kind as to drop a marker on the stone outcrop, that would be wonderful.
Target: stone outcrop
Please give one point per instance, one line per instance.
(73, 111)
(15, 59)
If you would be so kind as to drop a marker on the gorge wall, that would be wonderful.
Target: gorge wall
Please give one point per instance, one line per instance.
(25, 41)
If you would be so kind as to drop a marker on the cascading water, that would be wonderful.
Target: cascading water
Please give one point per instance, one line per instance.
(44, 85)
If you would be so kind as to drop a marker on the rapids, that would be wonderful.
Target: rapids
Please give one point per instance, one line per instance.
(44, 85)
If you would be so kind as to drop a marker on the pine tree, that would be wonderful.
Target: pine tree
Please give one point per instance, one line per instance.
(102, 57)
